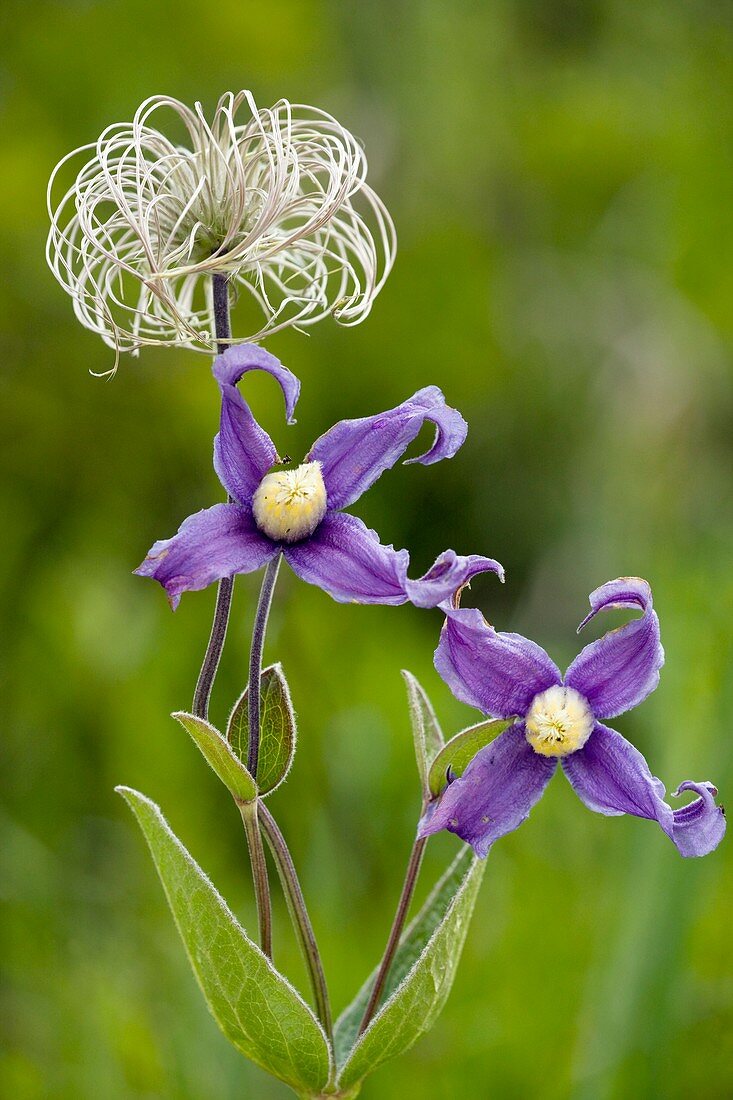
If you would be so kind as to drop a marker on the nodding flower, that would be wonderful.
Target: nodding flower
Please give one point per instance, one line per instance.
(560, 720)
(299, 512)
(275, 200)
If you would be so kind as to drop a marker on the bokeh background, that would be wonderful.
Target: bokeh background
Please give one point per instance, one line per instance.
(561, 176)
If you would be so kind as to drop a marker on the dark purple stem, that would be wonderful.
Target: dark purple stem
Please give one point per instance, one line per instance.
(222, 322)
(299, 916)
(210, 665)
(408, 889)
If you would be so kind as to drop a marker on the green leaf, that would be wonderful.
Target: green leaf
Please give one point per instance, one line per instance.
(425, 729)
(217, 752)
(256, 1007)
(458, 753)
(278, 730)
(420, 977)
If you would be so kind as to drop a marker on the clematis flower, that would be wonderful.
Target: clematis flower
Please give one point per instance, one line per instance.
(298, 512)
(275, 200)
(561, 720)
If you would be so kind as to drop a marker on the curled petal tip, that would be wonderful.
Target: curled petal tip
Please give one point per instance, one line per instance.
(447, 577)
(355, 453)
(618, 671)
(631, 592)
(612, 777)
(229, 367)
(689, 785)
(699, 826)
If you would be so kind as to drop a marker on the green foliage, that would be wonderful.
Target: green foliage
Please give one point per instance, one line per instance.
(278, 731)
(458, 753)
(426, 731)
(256, 1008)
(219, 755)
(260, 1012)
(438, 934)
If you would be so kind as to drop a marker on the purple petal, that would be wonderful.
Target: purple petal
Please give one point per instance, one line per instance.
(620, 669)
(700, 825)
(243, 451)
(354, 453)
(498, 673)
(495, 793)
(449, 573)
(612, 777)
(214, 543)
(347, 560)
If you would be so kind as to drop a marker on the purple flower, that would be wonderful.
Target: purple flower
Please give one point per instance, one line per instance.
(506, 675)
(297, 512)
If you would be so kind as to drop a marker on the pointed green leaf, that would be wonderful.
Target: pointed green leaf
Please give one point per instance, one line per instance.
(458, 753)
(277, 729)
(420, 977)
(217, 752)
(256, 1007)
(425, 729)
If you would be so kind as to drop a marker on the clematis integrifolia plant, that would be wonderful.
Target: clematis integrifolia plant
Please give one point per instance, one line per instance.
(561, 720)
(153, 240)
(298, 512)
(273, 200)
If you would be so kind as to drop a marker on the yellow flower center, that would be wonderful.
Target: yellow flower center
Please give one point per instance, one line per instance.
(289, 504)
(558, 722)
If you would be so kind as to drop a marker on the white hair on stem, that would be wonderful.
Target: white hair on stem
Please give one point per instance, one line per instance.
(277, 202)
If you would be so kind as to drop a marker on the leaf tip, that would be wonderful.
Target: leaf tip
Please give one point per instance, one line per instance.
(130, 795)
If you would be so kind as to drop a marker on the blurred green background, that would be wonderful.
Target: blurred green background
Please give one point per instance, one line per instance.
(561, 176)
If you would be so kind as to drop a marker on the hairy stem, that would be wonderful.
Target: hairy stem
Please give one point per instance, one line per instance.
(212, 656)
(255, 664)
(250, 810)
(276, 841)
(299, 916)
(250, 815)
(222, 321)
(408, 889)
(210, 665)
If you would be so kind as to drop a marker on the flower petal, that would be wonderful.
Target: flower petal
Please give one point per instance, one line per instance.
(612, 777)
(498, 673)
(495, 793)
(699, 826)
(347, 560)
(448, 574)
(243, 451)
(619, 670)
(354, 453)
(214, 543)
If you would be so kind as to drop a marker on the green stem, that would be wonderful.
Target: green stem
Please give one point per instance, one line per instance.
(408, 889)
(261, 882)
(299, 916)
